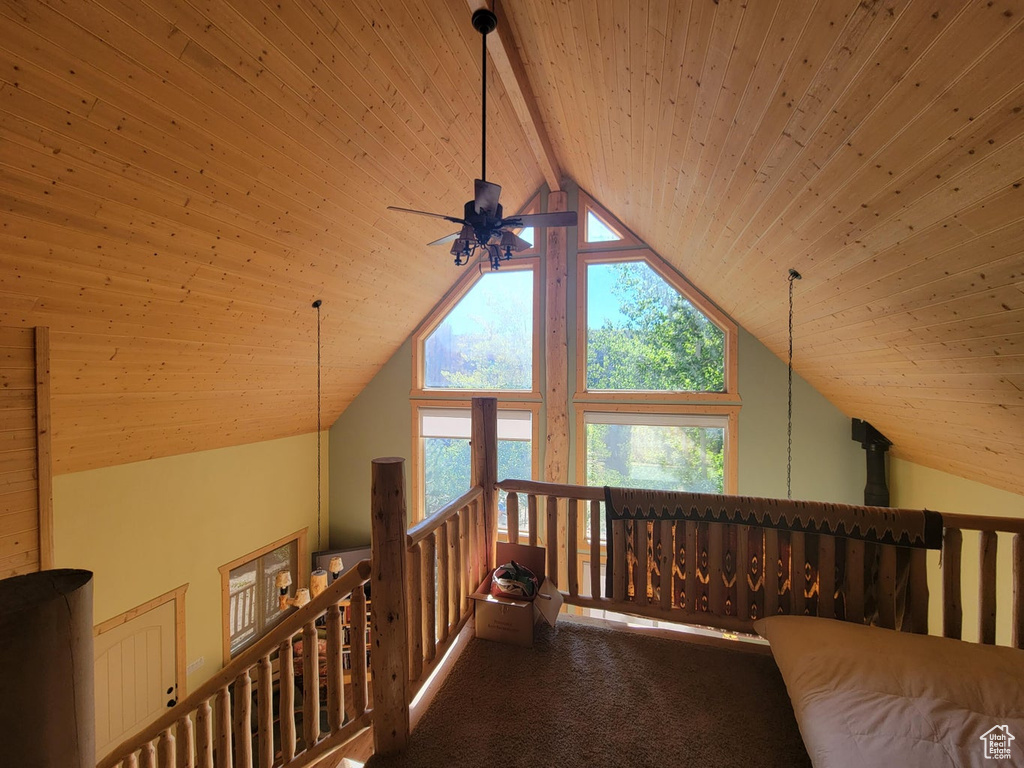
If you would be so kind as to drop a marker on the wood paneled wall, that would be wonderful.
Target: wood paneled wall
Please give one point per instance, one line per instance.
(26, 519)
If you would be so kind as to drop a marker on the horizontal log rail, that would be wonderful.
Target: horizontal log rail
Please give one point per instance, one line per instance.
(212, 727)
(722, 575)
(428, 525)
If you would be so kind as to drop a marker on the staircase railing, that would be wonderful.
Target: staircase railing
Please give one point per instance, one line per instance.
(213, 727)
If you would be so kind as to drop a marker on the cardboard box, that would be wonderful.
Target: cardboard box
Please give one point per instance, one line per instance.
(512, 621)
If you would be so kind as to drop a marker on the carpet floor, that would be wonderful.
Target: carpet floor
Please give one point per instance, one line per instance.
(593, 697)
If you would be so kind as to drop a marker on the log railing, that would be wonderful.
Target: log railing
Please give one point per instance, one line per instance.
(712, 574)
(214, 726)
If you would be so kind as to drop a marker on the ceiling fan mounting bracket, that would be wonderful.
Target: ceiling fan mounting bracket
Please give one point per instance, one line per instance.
(484, 21)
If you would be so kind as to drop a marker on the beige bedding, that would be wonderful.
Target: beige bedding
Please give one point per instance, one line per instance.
(865, 696)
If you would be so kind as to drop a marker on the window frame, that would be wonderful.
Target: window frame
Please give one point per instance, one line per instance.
(419, 471)
(691, 294)
(301, 578)
(462, 287)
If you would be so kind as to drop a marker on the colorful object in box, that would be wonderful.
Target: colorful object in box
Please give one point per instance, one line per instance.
(514, 581)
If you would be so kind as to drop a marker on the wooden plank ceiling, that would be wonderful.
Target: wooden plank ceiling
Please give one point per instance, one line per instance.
(179, 179)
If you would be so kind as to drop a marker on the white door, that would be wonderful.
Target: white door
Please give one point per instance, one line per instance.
(135, 675)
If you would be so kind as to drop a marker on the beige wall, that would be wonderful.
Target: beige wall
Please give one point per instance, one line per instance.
(148, 527)
(917, 487)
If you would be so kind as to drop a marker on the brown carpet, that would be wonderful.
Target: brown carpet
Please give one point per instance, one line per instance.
(589, 696)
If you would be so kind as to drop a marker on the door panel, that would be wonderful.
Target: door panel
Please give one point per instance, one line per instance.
(135, 675)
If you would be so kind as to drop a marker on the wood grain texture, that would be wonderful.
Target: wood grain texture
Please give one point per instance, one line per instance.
(181, 180)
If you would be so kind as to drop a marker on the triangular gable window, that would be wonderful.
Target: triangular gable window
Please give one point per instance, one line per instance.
(598, 231)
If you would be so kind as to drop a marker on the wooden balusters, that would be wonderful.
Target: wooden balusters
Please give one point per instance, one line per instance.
(641, 576)
(473, 554)
(335, 675)
(987, 588)
(887, 586)
(595, 550)
(742, 571)
(443, 601)
(551, 532)
(771, 571)
(716, 569)
(620, 571)
(414, 573)
(357, 650)
(223, 727)
(952, 600)
(131, 761)
(147, 755)
(454, 578)
(1017, 619)
(204, 735)
(854, 580)
(286, 705)
(465, 577)
(918, 589)
(310, 685)
(666, 561)
(427, 570)
(571, 541)
(241, 721)
(531, 521)
(797, 578)
(265, 712)
(512, 516)
(826, 576)
(166, 749)
(185, 746)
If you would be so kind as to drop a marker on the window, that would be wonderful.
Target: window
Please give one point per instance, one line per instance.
(643, 334)
(444, 450)
(598, 231)
(660, 451)
(485, 342)
(251, 606)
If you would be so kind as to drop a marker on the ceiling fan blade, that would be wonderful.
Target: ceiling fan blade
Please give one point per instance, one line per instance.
(424, 213)
(557, 219)
(446, 239)
(486, 195)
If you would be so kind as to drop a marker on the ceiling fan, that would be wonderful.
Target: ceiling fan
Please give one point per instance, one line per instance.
(483, 224)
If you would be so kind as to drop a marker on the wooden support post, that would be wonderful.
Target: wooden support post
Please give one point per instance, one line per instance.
(887, 586)
(987, 589)
(531, 504)
(484, 467)
(166, 749)
(454, 585)
(465, 568)
(556, 355)
(797, 579)
(665, 565)
(286, 706)
(716, 569)
(1017, 638)
(742, 571)
(388, 610)
(918, 588)
(952, 600)
(357, 650)
(641, 576)
(442, 583)
(826, 576)
(147, 756)
(186, 744)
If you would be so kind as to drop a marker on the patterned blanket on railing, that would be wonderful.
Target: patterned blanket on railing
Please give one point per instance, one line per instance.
(921, 529)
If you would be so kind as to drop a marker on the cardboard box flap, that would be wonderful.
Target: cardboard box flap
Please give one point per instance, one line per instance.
(548, 602)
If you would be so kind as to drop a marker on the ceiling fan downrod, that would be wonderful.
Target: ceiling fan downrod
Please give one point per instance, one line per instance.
(484, 22)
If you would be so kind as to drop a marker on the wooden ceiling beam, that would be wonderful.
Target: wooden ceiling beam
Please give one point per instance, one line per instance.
(505, 57)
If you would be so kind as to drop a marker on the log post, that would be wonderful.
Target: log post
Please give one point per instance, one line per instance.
(484, 461)
(390, 641)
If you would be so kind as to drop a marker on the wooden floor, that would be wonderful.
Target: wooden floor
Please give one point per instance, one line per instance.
(589, 695)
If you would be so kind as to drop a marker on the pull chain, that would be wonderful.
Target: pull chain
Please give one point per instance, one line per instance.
(793, 276)
(316, 305)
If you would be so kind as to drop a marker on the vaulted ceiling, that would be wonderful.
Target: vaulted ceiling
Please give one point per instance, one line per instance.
(179, 180)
